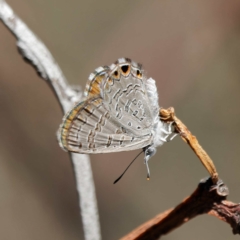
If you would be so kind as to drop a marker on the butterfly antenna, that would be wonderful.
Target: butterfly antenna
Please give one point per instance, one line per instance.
(127, 168)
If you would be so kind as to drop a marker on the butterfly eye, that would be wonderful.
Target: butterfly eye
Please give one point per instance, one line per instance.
(125, 69)
(139, 74)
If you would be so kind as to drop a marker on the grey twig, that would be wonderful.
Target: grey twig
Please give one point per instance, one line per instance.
(38, 55)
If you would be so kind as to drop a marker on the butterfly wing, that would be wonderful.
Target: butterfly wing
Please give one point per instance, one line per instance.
(129, 95)
(119, 114)
(90, 128)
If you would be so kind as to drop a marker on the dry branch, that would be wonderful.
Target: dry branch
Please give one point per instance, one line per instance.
(207, 198)
(168, 115)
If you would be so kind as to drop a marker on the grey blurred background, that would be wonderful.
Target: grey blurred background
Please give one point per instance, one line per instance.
(191, 49)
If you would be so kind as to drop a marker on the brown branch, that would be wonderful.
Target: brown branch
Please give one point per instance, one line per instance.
(207, 198)
(168, 115)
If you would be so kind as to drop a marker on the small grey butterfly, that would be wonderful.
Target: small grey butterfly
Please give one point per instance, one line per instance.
(120, 112)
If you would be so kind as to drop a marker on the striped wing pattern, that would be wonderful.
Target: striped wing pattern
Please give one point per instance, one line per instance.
(118, 113)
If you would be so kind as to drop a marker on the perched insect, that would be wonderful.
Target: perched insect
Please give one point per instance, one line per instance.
(120, 112)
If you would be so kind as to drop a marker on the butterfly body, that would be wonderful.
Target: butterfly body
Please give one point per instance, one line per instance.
(120, 112)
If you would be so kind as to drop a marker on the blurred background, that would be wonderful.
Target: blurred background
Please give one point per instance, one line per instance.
(191, 49)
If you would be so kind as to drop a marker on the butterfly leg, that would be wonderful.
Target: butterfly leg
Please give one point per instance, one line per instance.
(164, 139)
(169, 130)
(170, 127)
(171, 138)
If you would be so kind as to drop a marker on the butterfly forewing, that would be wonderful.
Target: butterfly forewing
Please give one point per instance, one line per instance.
(96, 81)
(125, 94)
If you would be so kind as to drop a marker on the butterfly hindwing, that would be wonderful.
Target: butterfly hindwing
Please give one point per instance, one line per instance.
(90, 128)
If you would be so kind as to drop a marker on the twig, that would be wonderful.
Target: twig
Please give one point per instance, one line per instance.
(207, 198)
(168, 115)
(33, 50)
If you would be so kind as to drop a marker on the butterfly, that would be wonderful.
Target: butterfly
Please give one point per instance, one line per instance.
(119, 112)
